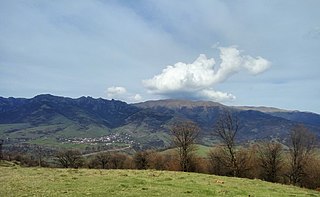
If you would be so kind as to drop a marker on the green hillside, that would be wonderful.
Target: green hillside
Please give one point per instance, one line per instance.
(19, 181)
(85, 123)
(200, 150)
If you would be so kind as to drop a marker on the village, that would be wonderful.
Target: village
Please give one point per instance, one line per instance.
(103, 140)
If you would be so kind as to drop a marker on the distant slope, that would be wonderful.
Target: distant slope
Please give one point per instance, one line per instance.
(256, 122)
(302, 117)
(17, 181)
(260, 109)
(44, 108)
(52, 121)
(308, 118)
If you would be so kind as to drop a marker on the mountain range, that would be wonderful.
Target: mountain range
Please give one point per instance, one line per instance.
(52, 120)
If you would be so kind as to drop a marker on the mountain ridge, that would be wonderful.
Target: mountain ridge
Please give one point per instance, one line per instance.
(176, 103)
(145, 124)
(195, 102)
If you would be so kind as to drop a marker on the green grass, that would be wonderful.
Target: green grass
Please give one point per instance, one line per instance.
(52, 142)
(7, 127)
(201, 150)
(142, 134)
(19, 181)
(47, 134)
(64, 129)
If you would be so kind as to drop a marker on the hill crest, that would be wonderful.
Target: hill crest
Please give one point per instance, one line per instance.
(177, 104)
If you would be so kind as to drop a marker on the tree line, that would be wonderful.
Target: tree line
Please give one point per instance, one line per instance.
(296, 162)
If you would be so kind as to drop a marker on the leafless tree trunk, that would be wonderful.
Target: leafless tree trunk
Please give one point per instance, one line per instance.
(226, 130)
(184, 136)
(1, 153)
(39, 154)
(302, 144)
(270, 159)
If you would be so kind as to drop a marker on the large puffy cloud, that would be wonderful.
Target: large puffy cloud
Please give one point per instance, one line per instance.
(183, 77)
(197, 79)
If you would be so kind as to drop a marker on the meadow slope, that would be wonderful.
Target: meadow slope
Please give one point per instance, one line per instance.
(20, 181)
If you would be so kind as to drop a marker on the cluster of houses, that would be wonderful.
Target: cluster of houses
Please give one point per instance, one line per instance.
(103, 140)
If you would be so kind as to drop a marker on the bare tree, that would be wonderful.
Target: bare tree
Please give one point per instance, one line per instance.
(226, 129)
(184, 136)
(117, 160)
(216, 161)
(70, 158)
(156, 160)
(302, 144)
(270, 160)
(39, 154)
(141, 160)
(312, 171)
(103, 159)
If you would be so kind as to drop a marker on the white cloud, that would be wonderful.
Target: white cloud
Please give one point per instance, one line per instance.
(197, 79)
(121, 93)
(256, 66)
(215, 95)
(136, 98)
(232, 62)
(115, 91)
(181, 76)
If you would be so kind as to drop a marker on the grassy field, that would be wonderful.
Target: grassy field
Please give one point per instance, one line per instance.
(19, 181)
(201, 150)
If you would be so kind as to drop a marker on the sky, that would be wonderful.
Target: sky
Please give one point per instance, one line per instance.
(236, 52)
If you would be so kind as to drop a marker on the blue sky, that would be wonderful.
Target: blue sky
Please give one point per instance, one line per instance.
(239, 52)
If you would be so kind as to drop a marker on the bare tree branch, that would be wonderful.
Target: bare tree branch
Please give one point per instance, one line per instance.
(226, 130)
(184, 136)
(302, 145)
(271, 161)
